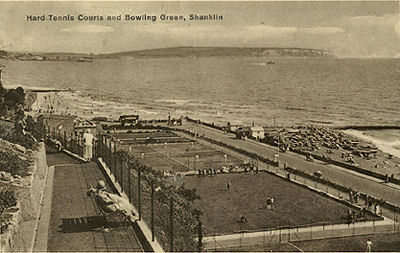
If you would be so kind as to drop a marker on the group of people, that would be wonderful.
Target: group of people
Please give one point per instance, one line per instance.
(370, 201)
(353, 196)
(207, 172)
(231, 168)
(352, 215)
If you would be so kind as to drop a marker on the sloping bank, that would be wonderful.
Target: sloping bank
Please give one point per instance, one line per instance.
(19, 229)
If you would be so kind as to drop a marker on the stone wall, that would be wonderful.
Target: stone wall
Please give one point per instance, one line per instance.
(20, 234)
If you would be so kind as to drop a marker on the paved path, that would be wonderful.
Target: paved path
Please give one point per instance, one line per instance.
(74, 225)
(299, 234)
(372, 186)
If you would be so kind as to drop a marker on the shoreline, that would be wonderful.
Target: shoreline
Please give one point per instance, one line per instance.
(384, 146)
(69, 102)
(116, 107)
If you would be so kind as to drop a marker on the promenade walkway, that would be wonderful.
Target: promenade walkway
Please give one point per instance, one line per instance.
(74, 224)
(360, 182)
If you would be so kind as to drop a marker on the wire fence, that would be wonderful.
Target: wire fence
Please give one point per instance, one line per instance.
(268, 239)
(171, 217)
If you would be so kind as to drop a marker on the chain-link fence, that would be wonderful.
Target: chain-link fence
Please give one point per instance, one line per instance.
(171, 217)
(270, 238)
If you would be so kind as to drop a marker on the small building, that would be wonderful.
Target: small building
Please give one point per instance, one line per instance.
(81, 125)
(242, 132)
(129, 120)
(257, 132)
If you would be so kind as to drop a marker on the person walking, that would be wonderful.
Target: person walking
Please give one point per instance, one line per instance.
(88, 141)
(369, 246)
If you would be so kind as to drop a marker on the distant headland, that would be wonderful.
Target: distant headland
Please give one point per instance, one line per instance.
(223, 51)
(263, 52)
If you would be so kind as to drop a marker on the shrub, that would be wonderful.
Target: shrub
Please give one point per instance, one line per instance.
(7, 198)
(13, 136)
(12, 161)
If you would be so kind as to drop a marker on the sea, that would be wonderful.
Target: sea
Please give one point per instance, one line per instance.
(241, 90)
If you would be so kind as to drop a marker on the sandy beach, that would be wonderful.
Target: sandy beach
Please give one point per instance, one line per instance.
(74, 103)
(388, 146)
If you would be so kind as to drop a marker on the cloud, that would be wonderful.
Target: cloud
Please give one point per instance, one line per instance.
(385, 20)
(4, 41)
(270, 30)
(217, 31)
(322, 30)
(88, 29)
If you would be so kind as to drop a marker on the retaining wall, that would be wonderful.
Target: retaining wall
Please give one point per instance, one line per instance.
(20, 234)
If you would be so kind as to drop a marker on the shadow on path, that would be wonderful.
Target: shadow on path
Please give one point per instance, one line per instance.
(90, 224)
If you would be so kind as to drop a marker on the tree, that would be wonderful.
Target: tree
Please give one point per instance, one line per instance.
(14, 97)
(3, 53)
(3, 109)
(21, 95)
(11, 99)
(2, 90)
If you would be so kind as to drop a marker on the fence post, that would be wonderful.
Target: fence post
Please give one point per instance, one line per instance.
(139, 194)
(171, 221)
(101, 142)
(109, 157)
(152, 211)
(373, 224)
(200, 235)
(70, 143)
(115, 156)
(65, 139)
(129, 181)
(44, 131)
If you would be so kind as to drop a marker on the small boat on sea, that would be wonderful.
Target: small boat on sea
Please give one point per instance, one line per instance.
(84, 60)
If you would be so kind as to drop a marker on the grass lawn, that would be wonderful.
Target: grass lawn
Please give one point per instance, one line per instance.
(294, 205)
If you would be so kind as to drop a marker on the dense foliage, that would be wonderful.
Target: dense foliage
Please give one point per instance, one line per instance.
(7, 198)
(12, 161)
(13, 136)
(11, 99)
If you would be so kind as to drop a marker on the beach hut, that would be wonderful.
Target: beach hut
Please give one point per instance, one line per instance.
(129, 120)
(257, 132)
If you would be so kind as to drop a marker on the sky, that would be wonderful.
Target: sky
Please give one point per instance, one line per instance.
(350, 29)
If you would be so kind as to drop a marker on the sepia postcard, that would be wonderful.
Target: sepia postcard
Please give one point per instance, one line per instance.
(251, 126)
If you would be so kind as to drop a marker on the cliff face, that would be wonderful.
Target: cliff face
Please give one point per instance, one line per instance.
(224, 51)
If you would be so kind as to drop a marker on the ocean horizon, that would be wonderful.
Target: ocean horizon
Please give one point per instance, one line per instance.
(241, 90)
